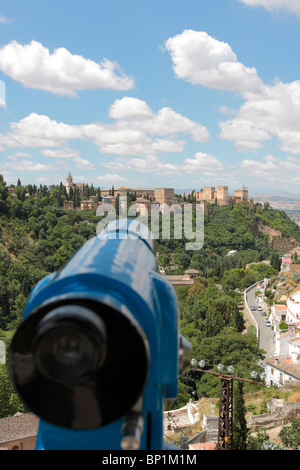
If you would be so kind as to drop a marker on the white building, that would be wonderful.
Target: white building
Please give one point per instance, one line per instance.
(284, 368)
(295, 349)
(293, 304)
(184, 417)
(288, 313)
(285, 265)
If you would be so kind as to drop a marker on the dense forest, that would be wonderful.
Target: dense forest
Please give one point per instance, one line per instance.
(37, 236)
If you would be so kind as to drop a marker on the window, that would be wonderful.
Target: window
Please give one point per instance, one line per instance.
(280, 378)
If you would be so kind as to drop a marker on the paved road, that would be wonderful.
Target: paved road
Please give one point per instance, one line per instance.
(266, 334)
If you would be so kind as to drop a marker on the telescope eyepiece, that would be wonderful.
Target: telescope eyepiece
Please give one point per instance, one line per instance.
(65, 362)
(70, 343)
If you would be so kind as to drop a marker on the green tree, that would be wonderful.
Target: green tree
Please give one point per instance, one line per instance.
(183, 397)
(240, 429)
(3, 195)
(182, 260)
(257, 442)
(229, 347)
(238, 321)
(275, 262)
(17, 311)
(9, 403)
(117, 205)
(76, 197)
(290, 435)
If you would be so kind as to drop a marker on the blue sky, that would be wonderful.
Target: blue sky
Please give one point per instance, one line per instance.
(149, 93)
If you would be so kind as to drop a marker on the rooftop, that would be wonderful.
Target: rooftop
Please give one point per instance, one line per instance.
(18, 426)
(280, 307)
(209, 445)
(285, 364)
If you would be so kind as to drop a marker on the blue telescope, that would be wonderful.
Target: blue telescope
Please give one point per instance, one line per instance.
(99, 348)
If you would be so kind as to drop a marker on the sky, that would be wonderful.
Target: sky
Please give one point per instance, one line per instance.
(151, 93)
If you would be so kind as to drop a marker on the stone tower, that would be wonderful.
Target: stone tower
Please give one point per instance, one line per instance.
(69, 183)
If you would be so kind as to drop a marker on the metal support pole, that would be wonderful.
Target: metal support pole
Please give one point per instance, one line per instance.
(225, 433)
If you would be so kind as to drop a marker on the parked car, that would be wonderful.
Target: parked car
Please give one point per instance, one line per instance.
(268, 323)
(264, 314)
(253, 307)
(259, 307)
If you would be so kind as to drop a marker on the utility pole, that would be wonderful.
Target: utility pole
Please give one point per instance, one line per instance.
(225, 429)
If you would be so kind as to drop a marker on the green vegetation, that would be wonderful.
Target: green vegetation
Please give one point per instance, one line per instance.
(37, 237)
(290, 435)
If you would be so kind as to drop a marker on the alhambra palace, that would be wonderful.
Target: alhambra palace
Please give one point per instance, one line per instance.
(144, 198)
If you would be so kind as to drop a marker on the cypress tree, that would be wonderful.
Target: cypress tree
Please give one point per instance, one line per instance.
(240, 429)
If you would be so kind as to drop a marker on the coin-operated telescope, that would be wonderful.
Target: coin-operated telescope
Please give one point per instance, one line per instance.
(99, 347)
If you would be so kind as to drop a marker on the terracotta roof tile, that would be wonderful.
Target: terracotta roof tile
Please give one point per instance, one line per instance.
(209, 445)
(18, 426)
(285, 365)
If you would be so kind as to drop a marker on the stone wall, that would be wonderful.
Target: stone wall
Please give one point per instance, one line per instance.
(280, 415)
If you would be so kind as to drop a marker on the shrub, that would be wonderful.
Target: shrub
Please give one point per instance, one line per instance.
(290, 435)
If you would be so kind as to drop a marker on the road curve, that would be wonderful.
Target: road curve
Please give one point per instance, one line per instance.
(265, 333)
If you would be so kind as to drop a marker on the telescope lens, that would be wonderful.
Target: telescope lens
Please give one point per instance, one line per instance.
(65, 364)
(71, 342)
(65, 354)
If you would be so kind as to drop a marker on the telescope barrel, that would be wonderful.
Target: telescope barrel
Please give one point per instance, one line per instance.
(97, 338)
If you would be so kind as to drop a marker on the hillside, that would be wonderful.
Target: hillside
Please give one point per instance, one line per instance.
(254, 235)
(37, 237)
(259, 407)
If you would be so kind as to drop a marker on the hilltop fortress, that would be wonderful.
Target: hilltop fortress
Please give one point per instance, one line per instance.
(220, 196)
(147, 196)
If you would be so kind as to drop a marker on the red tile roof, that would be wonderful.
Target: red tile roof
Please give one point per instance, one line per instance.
(280, 307)
(209, 445)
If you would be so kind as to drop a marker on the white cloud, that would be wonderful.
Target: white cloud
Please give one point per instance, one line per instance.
(20, 155)
(272, 169)
(292, 6)
(28, 165)
(37, 130)
(8, 177)
(203, 60)
(246, 135)
(111, 179)
(60, 153)
(4, 19)
(2, 94)
(136, 114)
(83, 164)
(61, 72)
(201, 163)
(274, 112)
(148, 164)
(129, 134)
(140, 131)
(165, 145)
(129, 108)
(268, 111)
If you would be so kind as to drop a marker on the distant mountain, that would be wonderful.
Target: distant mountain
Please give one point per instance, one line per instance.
(275, 197)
